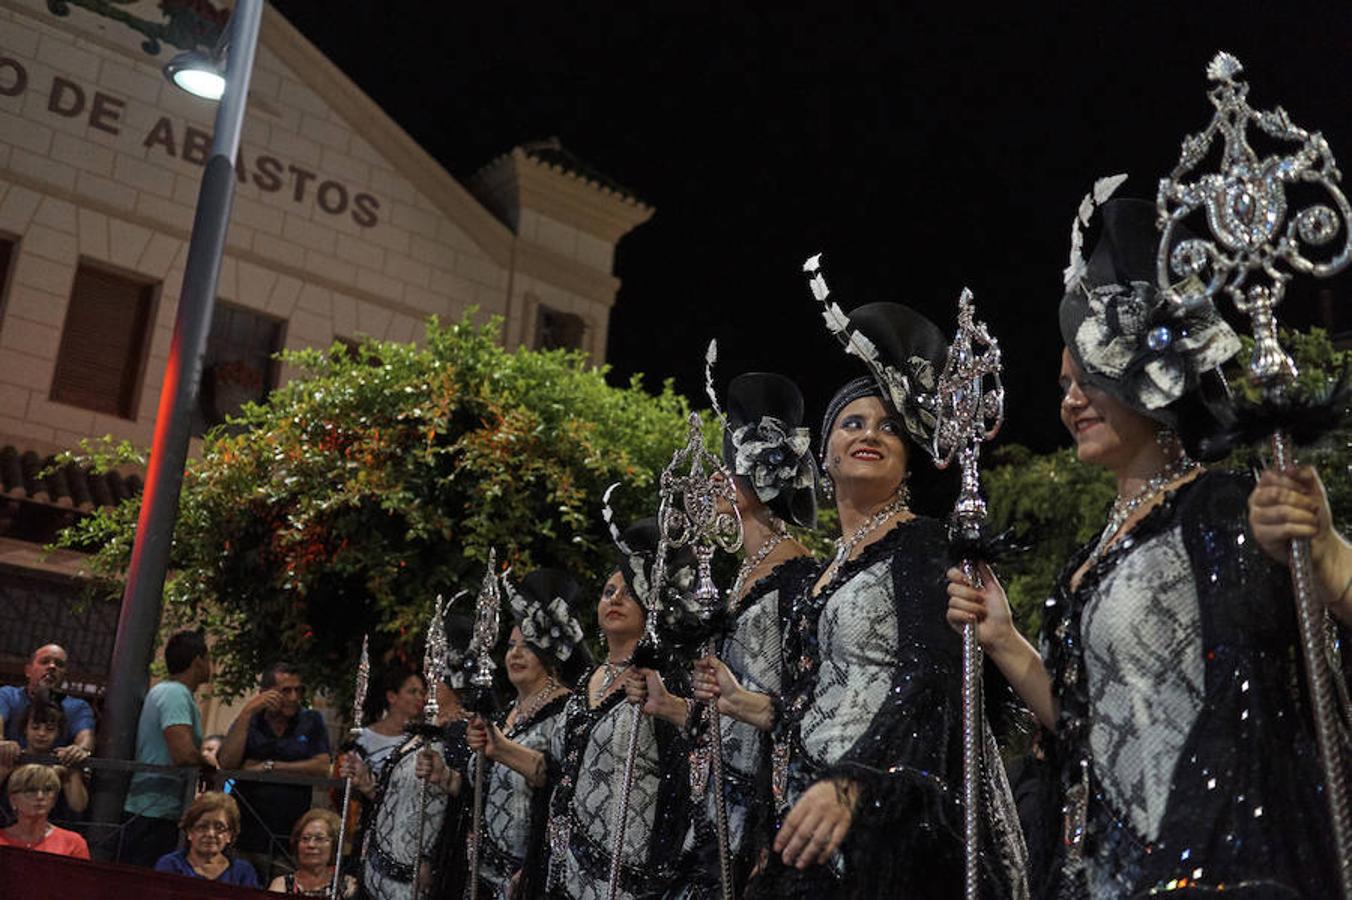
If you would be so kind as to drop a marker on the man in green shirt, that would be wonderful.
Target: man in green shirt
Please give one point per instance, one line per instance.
(169, 734)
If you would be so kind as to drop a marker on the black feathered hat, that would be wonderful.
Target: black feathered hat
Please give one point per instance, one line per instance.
(1127, 340)
(904, 351)
(766, 443)
(542, 604)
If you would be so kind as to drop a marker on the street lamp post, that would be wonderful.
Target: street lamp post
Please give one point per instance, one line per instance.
(142, 599)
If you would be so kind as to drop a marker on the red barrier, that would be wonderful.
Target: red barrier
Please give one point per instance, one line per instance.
(24, 873)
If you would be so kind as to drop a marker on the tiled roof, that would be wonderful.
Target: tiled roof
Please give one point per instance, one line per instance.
(69, 486)
(551, 152)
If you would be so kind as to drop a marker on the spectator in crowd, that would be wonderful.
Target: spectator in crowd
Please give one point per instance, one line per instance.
(168, 734)
(43, 722)
(275, 733)
(211, 745)
(46, 669)
(32, 791)
(314, 842)
(209, 826)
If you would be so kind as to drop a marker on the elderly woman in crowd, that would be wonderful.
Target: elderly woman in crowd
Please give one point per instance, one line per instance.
(209, 826)
(42, 724)
(314, 843)
(32, 791)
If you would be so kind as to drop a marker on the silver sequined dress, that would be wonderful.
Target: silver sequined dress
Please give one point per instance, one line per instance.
(872, 696)
(512, 808)
(1183, 754)
(589, 752)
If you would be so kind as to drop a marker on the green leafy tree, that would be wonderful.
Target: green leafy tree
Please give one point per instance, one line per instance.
(356, 493)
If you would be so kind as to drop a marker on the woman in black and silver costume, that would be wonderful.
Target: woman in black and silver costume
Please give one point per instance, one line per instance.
(545, 653)
(868, 741)
(586, 755)
(393, 863)
(1176, 725)
(769, 452)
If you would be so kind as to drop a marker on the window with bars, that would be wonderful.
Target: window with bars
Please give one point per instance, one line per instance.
(238, 366)
(557, 330)
(103, 342)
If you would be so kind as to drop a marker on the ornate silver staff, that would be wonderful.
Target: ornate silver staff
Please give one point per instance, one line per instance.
(697, 523)
(971, 409)
(358, 701)
(486, 614)
(687, 516)
(434, 669)
(1258, 245)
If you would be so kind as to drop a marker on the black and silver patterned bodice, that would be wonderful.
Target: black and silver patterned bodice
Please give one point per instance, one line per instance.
(753, 653)
(591, 750)
(406, 811)
(1142, 640)
(509, 799)
(858, 641)
(1183, 745)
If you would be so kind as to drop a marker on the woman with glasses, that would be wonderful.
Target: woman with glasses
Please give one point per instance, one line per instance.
(32, 792)
(313, 840)
(209, 826)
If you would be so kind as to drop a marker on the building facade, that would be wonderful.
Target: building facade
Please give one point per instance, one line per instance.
(343, 227)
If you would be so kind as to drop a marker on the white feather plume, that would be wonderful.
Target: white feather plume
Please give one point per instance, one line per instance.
(835, 317)
(608, 515)
(710, 358)
(1102, 190)
(861, 347)
(813, 263)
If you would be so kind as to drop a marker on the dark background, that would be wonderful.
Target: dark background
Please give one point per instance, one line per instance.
(923, 147)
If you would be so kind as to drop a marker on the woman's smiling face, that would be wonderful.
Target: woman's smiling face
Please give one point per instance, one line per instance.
(1106, 432)
(867, 446)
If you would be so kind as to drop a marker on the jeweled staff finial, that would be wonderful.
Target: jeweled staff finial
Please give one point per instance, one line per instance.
(434, 661)
(1258, 240)
(363, 684)
(971, 407)
(688, 513)
(487, 610)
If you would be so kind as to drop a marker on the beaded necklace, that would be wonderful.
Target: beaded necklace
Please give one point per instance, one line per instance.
(750, 564)
(1123, 507)
(898, 504)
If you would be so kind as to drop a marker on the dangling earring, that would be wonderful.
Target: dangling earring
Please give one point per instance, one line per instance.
(1167, 440)
(828, 486)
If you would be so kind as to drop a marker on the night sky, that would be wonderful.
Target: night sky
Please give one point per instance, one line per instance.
(923, 149)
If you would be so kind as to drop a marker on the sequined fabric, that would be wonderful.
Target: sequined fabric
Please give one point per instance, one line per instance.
(512, 811)
(392, 850)
(1244, 811)
(1141, 629)
(589, 751)
(752, 652)
(872, 695)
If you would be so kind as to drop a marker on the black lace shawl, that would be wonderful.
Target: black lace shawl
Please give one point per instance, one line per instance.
(699, 865)
(672, 815)
(1245, 807)
(906, 836)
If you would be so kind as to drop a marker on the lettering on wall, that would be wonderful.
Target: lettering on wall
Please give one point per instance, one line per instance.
(189, 143)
